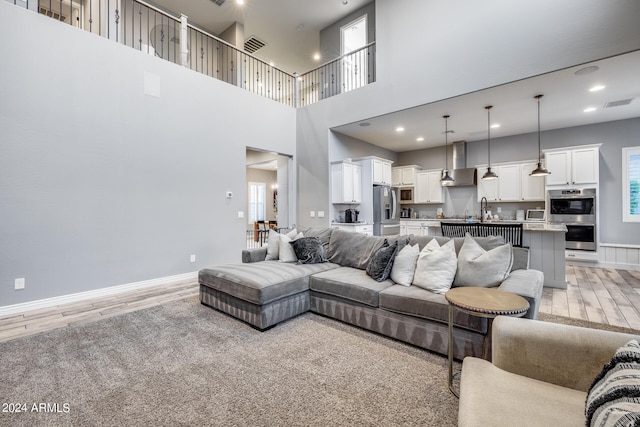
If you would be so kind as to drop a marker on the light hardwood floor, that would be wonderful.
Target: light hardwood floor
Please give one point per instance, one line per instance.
(594, 294)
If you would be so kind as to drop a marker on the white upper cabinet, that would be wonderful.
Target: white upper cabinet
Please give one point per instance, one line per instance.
(487, 187)
(512, 185)
(532, 186)
(559, 163)
(585, 165)
(509, 183)
(574, 166)
(346, 183)
(428, 187)
(404, 176)
(382, 171)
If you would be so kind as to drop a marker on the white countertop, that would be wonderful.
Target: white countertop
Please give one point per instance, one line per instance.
(527, 225)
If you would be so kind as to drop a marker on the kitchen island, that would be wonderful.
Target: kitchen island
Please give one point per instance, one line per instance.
(547, 251)
(545, 242)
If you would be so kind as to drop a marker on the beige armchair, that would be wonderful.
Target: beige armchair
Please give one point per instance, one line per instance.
(539, 375)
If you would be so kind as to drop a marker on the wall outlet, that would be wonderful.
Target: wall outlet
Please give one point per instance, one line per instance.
(240, 214)
(192, 258)
(229, 195)
(312, 214)
(320, 214)
(499, 209)
(19, 283)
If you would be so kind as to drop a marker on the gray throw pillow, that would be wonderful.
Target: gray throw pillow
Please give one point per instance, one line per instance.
(478, 267)
(352, 249)
(309, 250)
(379, 267)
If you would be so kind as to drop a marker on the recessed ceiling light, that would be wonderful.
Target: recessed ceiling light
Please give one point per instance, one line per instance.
(494, 126)
(587, 70)
(399, 129)
(365, 124)
(590, 109)
(419, 139)
(596, 88)
(316, 56)
(240, 1)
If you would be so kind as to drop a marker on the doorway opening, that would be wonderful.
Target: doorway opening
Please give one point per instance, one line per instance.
(268, 189)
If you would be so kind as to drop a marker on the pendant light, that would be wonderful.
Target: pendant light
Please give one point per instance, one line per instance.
(489, 174)
(539, 171)
(446, 178)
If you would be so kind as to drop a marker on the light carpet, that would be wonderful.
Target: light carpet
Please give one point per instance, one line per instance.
(182, 363)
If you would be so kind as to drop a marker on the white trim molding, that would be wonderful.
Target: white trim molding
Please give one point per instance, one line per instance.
(96, 293)
(620, 256)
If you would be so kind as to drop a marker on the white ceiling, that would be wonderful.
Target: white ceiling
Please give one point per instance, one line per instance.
(566, 95)
(275, 22)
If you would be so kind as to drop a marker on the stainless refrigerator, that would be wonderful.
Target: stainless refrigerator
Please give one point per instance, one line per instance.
(386, 210)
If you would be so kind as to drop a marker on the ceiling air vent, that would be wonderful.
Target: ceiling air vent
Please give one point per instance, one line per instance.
(252, 44)
(619, 103)
(218, 2)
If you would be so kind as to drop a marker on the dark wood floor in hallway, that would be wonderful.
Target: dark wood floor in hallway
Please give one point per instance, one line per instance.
(595, 294)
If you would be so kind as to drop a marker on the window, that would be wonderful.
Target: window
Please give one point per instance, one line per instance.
(631, 184)
(257, 195)
(353, 36)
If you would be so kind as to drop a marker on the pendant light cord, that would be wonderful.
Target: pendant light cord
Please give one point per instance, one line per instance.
(489, 107)
(539, 145)
(446, 142)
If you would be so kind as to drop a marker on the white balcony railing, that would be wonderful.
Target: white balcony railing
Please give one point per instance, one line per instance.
(146, 28)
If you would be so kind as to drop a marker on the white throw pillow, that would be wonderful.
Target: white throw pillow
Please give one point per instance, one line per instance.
(286, 252)
(436, 267)
(404, 265)
(273, 243)
(477, 267)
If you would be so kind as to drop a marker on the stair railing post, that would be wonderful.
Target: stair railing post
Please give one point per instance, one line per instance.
(183, 40)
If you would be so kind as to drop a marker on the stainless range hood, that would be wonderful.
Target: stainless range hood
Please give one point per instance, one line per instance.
(462, 175)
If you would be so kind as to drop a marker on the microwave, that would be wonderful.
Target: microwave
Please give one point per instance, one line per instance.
(406, 194)
(536, 215)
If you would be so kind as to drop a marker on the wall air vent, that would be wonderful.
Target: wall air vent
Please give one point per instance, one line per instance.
(619, 103)
(52, 14)
(218, 2)
(252, 44)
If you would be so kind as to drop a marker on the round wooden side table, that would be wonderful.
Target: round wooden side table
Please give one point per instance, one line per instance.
(481, 302)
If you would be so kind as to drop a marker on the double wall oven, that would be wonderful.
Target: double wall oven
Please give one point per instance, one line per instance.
(576, 209)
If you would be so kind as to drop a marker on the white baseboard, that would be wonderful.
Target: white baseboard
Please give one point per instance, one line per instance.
(617, 266)
(96, 293)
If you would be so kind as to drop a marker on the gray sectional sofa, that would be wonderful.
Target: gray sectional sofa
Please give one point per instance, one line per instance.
(264, 293)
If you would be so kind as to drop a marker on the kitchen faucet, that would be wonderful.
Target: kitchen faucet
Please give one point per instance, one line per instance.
(483, 208)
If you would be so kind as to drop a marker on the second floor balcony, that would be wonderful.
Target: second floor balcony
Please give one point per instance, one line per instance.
(146, 28)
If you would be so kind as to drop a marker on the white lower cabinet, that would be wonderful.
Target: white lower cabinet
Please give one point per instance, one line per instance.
(356, 228)
(420, 228)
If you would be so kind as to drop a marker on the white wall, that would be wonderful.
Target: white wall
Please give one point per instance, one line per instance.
(102, 185)
(432, 50)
